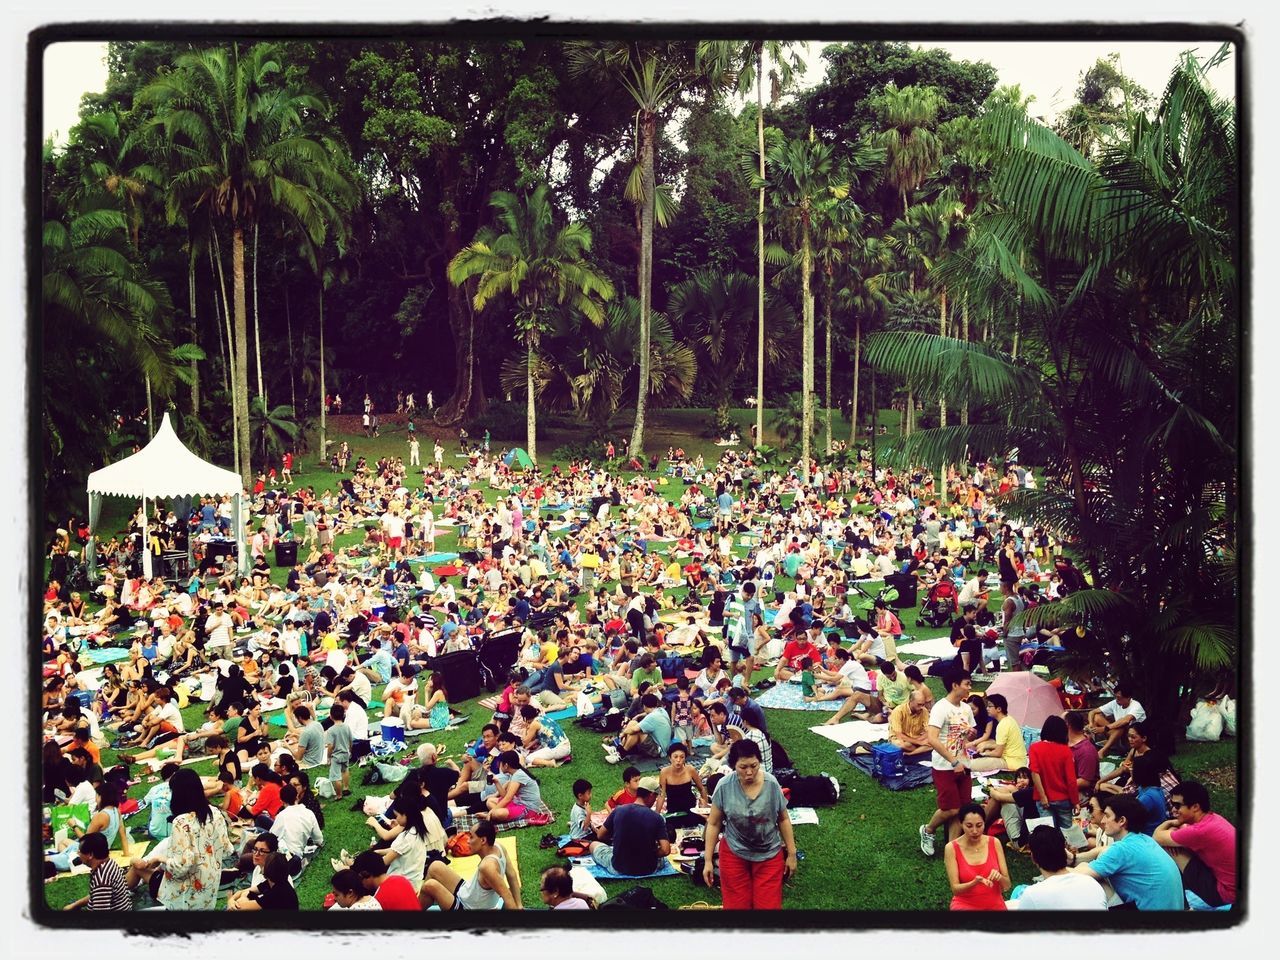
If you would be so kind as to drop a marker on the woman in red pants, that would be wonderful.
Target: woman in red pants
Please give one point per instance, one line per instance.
(756, 846)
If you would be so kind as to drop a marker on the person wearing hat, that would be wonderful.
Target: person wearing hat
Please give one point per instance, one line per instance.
(633, 839)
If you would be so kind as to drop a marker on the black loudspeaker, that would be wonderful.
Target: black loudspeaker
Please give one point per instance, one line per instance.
(498, 653)
(906, 584)
(461, 671)
(286, 553)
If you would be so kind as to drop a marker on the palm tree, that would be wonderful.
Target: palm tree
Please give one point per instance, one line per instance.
(715, 310)
(119, 163)
(746, 59)
(240, 146)
(800, 172)
(541, 267)
(92, 292)
(906, 116)
(589, 369)
(864, 298)
(1126, 266)
(654, 75)
(275, 429)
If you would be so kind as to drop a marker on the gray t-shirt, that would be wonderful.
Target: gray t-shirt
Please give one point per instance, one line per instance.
(750, 826)
(311, 740)
(340, 736)
(529, 793)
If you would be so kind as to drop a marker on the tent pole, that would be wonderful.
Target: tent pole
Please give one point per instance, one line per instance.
(146, 541)
(89, 552)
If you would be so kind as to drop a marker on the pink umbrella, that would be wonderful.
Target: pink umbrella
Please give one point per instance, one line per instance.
(1031, 699)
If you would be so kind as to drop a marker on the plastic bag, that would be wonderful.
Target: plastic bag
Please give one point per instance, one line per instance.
(1227, 707)
(587, 885)
(1206, 723)
(377, 806)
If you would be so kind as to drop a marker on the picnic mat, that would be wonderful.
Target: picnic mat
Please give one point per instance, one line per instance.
(434, 558)
(489, 703)
(788, 696)
(468, 821)
(137, 848)
(466, 867)
(668, 869)
(853, 731)
(106, 654)
(566, 713)
(940, 647)
(914, 774)
(455, 721)
(802, 815)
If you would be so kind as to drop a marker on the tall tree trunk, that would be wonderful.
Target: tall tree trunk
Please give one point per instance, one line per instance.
(151, 427)
(806, 299)
(964, 335)
(909, 410)
(215, 254)
(468, 398)
(875, 418)
(857, 366)
(257, 339)
(648, 133)
(531, 420)
(242, 351)
(760, 251)
(826, 317)
(288, 326)
(942, 324)
(324, 451)
(191, 306)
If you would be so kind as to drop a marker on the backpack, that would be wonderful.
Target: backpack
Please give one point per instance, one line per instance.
(459, 845)
(780, 759)
(817, 791)
(634, 898)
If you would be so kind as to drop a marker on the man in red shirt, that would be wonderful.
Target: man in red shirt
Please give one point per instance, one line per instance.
(804, 645)
(391, 892)
(1202, 843)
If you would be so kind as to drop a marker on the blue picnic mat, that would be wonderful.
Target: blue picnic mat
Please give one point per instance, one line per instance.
(435, 558)
(568, 713)
(600, 873)
(913, 774)
(106, 655)
(788, 696)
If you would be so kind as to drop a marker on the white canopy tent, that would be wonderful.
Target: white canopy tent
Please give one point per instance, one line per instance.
(164, 469)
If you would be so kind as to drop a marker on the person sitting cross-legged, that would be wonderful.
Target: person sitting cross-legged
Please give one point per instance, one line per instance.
(633, 839)
(909, 726)
(494, 885)
(1202, 844)
(647, 735)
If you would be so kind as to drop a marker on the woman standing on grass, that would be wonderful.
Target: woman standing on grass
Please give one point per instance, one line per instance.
(756, 846)
(976, 867)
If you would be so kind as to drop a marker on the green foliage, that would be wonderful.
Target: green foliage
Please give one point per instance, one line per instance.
(505, 422)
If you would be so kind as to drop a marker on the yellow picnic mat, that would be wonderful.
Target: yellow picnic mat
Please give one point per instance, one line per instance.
(465, 867)
(137, 848)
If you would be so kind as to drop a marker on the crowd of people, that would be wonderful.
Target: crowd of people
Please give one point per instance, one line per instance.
(604, 578)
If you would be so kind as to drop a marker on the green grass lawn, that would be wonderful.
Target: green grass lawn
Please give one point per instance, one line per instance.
(864, 855)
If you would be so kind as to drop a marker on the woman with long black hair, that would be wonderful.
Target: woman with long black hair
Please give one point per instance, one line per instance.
(197, 846)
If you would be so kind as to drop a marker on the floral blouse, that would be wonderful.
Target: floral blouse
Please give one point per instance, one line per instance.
(193, 866)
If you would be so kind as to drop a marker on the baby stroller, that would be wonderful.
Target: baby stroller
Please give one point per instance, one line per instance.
(940, 604)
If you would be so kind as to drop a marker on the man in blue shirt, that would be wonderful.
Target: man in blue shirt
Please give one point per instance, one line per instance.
(633, 840)
(1139, 870)
(648, 735)
(520, 607)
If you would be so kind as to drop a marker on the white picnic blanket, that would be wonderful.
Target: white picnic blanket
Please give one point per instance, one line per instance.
(852, 731)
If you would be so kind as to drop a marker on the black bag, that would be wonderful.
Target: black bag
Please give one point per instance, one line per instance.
(780, 759)
(817, 791)
(634, 898)
(604, 721)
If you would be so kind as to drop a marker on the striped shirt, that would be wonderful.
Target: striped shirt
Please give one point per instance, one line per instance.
(107, 888)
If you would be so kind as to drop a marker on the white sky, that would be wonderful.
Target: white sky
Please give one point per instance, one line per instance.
(1048, 70)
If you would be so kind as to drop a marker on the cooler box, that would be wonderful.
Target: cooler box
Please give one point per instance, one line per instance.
(392, 730)
(886, 760)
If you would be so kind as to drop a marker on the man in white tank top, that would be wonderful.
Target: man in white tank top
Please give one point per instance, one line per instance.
(494, 885)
